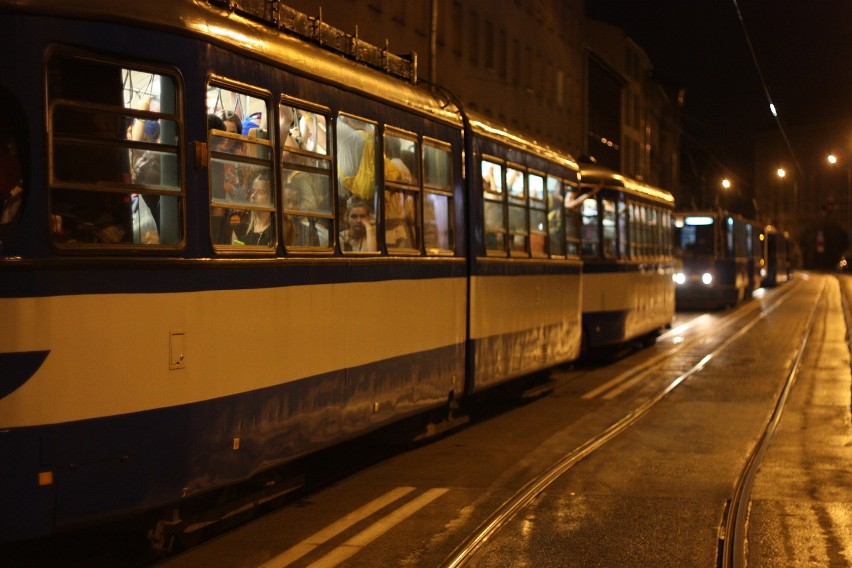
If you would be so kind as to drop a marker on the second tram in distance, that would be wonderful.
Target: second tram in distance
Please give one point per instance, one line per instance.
(725, 258)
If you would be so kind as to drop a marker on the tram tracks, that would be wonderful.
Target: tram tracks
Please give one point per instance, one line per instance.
(476, 541)
(733, 528)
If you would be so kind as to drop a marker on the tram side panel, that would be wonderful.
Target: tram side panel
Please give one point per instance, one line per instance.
(624, 302)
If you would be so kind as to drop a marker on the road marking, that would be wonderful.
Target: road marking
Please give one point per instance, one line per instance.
(377, 529)
(321, 537)
(626, 385)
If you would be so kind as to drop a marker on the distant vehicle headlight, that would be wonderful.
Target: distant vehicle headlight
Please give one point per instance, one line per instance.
(679, 278)
(707, 278)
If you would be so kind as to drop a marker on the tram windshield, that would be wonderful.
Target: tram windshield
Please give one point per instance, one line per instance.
(695, 237)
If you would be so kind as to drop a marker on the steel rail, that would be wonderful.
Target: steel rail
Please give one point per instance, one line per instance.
(732, 530)
(467, 549)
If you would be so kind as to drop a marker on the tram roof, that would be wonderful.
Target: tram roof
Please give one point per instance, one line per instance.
(488, 128)
(593, 175)
(255, 38)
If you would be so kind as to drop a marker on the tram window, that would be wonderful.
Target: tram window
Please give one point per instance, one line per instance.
(115, 168)
(11, 180)
(356, 171)
(518, 231)
(573, 220)
(495, 231)
(608, 222)
(555, 217)
(536, 187)
(303, 129)
(492, 178)
(438, 210)
(668, 234)
(538, 232)
(635, 231)
(538, 216)
(623, 245)
(242, 188)
(308, 218)
(653, 228)
(401, 195)
(493, 182)
(695, 238)
(515, 183)
(729, 238)
(591, 240)
(306, 197)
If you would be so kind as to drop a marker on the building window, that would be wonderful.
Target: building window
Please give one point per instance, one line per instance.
(473, 39)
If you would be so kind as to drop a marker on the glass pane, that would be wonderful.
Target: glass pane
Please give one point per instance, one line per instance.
(494, 229)
(356, 162)
(240, 113)
(555, 216)
(402, 160)
(305, 230)
(515, 183)
(623, 251)
(591, 242)
(303, 129)
(438, 165)
(518, 228)
(492, 178)
(112, 128)
(609, 234)
(242, 194)
(81, 217)
(538, 232)
(438, 223)
(400, 219)
(536, 187)
(314, 190)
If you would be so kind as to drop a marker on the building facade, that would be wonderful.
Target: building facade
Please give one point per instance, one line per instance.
(535, 65)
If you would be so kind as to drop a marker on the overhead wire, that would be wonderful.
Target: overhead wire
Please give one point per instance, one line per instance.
(766, 92)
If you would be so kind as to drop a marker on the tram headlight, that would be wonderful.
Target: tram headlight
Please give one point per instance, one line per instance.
(679, 278)
(707, 278)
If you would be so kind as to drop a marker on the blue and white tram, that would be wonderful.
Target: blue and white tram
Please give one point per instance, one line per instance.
(525, 275)
(628, 262)
(257, 294)
(722, 258)
(194, 300)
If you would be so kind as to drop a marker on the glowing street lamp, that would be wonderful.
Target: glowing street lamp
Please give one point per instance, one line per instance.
(833, 160)
(792, 214)
(726, 183)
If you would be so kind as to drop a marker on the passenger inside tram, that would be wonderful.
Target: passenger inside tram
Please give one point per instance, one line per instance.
(260, 228)
(360, 235)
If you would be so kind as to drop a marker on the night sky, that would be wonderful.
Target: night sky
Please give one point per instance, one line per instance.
(804, 48)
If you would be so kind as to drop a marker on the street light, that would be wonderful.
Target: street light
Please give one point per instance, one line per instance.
(789, 216)
(726, 184)
(833, 160)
